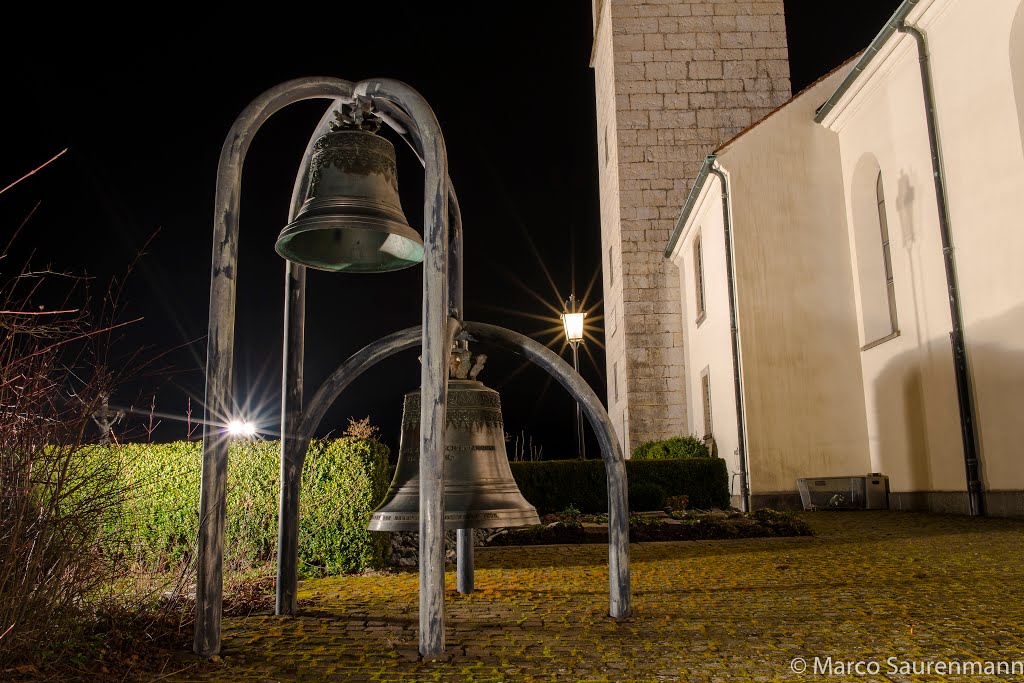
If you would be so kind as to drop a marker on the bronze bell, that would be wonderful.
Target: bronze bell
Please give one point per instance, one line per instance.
(479, 491)
(352, 219)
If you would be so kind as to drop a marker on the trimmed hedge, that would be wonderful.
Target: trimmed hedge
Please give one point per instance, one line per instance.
(342, 481)
(553, 485)
(687, 446)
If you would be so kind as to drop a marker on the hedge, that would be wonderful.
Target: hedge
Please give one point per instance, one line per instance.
(687, 446)
(554, 485)
(342, 482)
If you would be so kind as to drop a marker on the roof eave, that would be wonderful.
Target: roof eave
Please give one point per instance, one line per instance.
(891, 27)
(691, 201)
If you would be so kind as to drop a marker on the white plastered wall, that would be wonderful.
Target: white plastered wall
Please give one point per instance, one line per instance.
(799, 354)
(909, 385)
(708, 344)
(798, 332)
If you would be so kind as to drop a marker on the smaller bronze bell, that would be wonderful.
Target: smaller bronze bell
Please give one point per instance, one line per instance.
(352, 218)
(479, 491)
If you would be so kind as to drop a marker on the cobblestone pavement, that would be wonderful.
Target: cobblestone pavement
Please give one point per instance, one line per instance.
(869, 586)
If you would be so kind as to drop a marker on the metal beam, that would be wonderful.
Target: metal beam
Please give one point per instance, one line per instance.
(436, 350)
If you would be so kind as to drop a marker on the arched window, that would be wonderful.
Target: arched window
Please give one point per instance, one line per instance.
(873, 257)
(883, 224)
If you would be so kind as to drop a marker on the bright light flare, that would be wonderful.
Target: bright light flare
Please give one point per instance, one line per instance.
(241, 428)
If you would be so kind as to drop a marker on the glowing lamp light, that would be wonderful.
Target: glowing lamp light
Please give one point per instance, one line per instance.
(573, 323)
(241, 428)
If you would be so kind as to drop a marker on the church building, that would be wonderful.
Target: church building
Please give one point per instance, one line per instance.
(839, 291)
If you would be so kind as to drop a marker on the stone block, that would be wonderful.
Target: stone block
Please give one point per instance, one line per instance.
(629, 25)
(696, 25)
(677, 101)
(633, 119)
(668, 26)
(671, 119)
(739, 69)
(705, 70)
(738, 40)
(628, 42)
(706, 40)
(646, 101)
(681, 41)
(723, 24)
(773, 68)
(628, 72)
(702, 100)
(654, 41)
(773, 39)
(653, 10)
(754, 23)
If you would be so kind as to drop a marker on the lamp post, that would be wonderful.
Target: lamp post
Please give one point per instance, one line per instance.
(572, 322)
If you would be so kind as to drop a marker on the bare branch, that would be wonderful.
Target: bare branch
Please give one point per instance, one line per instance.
(34, 171)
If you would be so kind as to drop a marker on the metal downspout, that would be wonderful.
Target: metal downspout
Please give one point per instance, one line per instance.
(734, 335)
(972, 461)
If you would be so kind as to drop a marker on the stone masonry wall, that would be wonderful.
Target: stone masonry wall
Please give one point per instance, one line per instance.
(674, 80)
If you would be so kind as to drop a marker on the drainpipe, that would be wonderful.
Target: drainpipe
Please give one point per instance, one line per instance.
(972, 462)
(734, 335)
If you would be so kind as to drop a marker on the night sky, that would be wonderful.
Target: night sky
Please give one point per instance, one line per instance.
(143, 109)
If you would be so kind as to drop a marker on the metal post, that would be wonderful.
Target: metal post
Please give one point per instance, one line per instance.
(464, 566)
(291, 458)
(436, 350)
(292, 453)
(581, 447)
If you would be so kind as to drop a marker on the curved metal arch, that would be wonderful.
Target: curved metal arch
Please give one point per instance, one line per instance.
(220, 345)
(221, 341)
(615, 468)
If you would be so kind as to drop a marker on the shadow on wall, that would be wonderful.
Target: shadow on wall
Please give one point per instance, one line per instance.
(918, 426)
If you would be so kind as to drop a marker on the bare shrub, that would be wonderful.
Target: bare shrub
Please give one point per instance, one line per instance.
(57, 535)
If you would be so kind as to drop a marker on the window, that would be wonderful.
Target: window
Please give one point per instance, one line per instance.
(875, 262)
(611, 323)
(698, 275)
(611, 268)
(883, 225)
(606, 154)
(705, 390)
(615, 379)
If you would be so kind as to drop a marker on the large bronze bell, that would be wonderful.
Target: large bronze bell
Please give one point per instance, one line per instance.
(352, 219)
(479, 491)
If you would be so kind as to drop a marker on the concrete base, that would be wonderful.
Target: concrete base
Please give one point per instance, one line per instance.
(781, 500)
(997, 503)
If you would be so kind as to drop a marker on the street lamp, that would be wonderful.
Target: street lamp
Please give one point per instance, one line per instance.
(572, 321)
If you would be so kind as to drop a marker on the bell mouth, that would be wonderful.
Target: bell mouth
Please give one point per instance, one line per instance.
(363, 244)
(390, 520)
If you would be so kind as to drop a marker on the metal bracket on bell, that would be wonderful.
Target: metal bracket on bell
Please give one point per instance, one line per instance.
(359, 114)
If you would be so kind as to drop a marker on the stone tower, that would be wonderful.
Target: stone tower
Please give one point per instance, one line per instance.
(674, 80)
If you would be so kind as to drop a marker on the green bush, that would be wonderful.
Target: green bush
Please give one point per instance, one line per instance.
(677, 447)
(554, 485)
(342, 482)
(644, 497)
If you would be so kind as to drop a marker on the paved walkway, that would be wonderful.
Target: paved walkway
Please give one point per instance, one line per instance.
(869, 587)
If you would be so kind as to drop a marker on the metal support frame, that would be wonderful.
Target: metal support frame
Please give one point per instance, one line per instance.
(407, 112)
(619, 604)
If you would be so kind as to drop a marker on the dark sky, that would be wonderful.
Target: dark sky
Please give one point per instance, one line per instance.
(143, 108)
